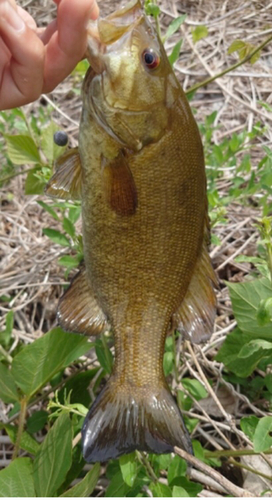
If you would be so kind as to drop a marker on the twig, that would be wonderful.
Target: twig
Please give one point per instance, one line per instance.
(230, 487)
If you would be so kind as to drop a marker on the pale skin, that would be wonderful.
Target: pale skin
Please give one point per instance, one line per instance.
(35, 60)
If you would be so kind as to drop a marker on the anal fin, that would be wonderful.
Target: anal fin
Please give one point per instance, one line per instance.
(195, 317)
(66, 182)
(78, 310)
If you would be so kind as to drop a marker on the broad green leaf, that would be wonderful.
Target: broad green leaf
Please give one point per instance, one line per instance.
(195, 388)
(199, 32)
(38, 362)
(56, 237)
(54, 458)
(168, 363)
(104, 355)
(246, 298)
(264, 313)
(174, 26)
(8, 389)
(173, 57)
(50, 149)
(248, 425)
(85, 487)
(128, 466)
(27, 443)
(160, 490)
(190, 487)
(69, 261)
(33, 183)
(180, 492)
(6, 334)
(117, 487)
(17, 479)
(236, 45)
(37, 421)
(69, 227)
(262, 439)
(177, 468)
(22, 149)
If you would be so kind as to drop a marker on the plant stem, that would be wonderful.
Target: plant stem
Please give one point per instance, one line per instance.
(250, 469)
(145, 462)
(21, 424)
(233, 453)
(230, 68)
(8, 177)
(106, 349)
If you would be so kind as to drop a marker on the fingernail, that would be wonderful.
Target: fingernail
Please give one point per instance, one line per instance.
(11, 17)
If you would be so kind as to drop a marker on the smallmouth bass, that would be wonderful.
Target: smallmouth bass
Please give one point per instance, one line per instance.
(139, 171)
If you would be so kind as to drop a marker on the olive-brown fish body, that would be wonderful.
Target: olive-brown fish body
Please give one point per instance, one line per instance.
(140, 173)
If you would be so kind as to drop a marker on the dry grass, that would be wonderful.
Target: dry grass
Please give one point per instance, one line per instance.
(29, 270)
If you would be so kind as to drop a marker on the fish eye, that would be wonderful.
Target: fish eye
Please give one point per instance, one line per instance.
(150, 58)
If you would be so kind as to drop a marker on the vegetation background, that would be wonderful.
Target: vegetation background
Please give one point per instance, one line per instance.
(49, 378)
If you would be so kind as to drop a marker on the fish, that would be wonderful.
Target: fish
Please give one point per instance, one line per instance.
(139, 172)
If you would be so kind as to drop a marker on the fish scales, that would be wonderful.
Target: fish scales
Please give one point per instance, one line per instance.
(139, 171)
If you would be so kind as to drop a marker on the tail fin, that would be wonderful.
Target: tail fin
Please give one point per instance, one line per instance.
(119, 423)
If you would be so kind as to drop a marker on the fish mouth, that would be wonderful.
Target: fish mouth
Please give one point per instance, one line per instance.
(109, 31)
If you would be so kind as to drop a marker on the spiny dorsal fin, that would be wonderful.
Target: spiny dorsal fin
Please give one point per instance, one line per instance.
(66, 182)
(123, 420)
(195, 317)
(78, 310)
(119, 186)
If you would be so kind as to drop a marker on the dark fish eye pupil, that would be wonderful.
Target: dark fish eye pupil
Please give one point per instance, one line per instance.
(149, 58)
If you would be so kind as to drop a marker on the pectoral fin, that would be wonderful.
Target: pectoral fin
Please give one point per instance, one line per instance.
(195, 317)
(119, 186)
(66, 182)
(78, 310)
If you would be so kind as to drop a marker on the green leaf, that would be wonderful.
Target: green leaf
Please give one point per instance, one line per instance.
(8, 389)
(27, 443)
(49, 209)
(38, 362)
(54, 458)
(69, 227)
(248, 425)
(246, 298)
(22, 149)
(37, 421)
(177, 468)
(160, 490)
(17, 479)
(85, 487)
(152, 9)
(69, 261)
(180, 492)
(56, 237)
(173, 57)
(195, 388)
(128, 466)
(236, 45)
(262, 439)
(174, 26)
(104, 355)
(6, 334)
(168, 363)
(199, 32)
(264, 313)
(190, 487)
(51, 150)
(117, 487)
(33, 183)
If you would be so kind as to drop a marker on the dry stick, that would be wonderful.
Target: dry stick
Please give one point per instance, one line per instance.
(231, 488)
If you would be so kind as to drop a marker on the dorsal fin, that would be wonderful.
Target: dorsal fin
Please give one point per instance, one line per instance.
(66, 182)
(78, 310)
(195, 317)
(119, 186)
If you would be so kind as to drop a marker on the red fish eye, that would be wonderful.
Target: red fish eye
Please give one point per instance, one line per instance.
(151, 59)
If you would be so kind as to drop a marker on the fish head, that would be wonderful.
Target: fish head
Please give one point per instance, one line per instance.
(130, 87)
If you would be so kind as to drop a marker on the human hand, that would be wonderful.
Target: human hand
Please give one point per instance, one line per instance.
(33, 60)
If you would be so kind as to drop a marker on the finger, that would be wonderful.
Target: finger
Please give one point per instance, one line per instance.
(28, 19)
(68, 45)
(22, 78)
